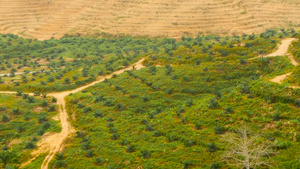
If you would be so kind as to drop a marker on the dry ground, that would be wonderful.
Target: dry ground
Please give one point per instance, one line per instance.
(43, 19)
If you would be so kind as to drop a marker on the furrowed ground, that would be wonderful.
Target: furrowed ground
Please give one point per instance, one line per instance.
(43, 19)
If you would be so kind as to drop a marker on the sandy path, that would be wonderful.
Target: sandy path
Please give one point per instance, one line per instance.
(54, 142)
(282, 48)
(282, 51)
(293, 61)
(280, 78)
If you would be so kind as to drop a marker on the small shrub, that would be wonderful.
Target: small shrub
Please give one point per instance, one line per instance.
(277, 116)
(187, 164)
(85, 145)
(220, 129)
(149, 127)
(98, 114)
(5, 118)
(215, 165)
(146, 153)
(99, 160)
(198, 125)
(189, 103)
(110, 119)
(130, 149)
(108, 103)
(30, 99)
(89, 153)
(213, 103)
(115, 136)
(124, 142)
(44, 103)
(297, 103)
(297, 137)
(29, 145)
(51, 108)
(54, 100)
(212, 147)
(15, 111)
(157, 134)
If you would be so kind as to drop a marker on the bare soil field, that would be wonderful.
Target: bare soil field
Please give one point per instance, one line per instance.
(43, 19)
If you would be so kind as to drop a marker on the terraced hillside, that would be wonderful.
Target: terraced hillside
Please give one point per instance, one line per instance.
(43, 19)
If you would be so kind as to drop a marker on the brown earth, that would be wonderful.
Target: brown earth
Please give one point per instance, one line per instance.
(43, 19)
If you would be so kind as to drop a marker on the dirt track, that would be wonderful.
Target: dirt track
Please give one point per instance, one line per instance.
(54, 142)
(282, 51)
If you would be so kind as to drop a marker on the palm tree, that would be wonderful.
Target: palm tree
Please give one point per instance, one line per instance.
(9, 157)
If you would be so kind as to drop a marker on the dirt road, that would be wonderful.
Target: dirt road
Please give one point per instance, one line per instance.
(54, 142)
(282, 48)
(283, 51)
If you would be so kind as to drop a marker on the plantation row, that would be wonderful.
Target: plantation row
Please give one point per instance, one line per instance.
(59, 65)
(181, 113)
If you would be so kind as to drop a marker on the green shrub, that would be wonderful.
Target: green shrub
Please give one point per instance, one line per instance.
(30, 145)
(220, 130)
(130, 149)
(212, 147)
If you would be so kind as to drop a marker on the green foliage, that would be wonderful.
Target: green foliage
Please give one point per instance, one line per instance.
(9, 157)
(24, 122)
(167, 115)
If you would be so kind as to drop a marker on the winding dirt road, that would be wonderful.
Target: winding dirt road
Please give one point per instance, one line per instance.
(54, 142)
(282, 48)
(283, 51)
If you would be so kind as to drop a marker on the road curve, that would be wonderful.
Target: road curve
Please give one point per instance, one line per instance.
(54, 142)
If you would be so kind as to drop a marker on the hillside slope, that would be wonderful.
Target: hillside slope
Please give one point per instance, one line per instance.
(43, 19)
